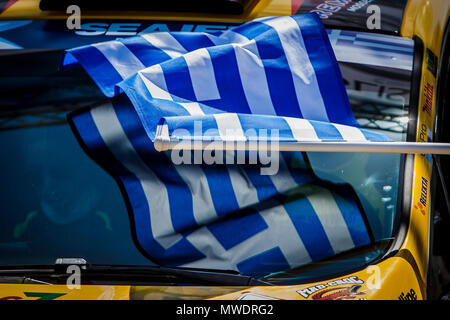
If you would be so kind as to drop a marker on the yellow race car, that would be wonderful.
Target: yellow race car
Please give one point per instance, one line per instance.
(65, 233)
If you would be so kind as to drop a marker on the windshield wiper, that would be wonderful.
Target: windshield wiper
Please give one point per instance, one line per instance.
(92, 273)
(190, 275)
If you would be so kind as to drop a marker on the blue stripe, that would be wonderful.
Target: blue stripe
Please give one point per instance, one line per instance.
(378, 52)
(253, 29)
(326, 131)
(279, 77)
(269, 123)
(192, 41)
(230, 232)
(228, 81)
(264, 186)
(89, 134)
(180, 197)
(383, 46)
(309, 228)
(145, 52)
(178, 80)
(278, 74)
(352, 216)
(221, 189)
(219, 181)
(327, 71)
(192, 126)
(300, 172)
(374, 136)
(98, 67)
(383, 39)
(6, 44)
(376, 48)
(150, 110)
(264, 263)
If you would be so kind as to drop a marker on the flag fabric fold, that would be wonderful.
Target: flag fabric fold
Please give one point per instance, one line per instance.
(276, 73)
(221, 127)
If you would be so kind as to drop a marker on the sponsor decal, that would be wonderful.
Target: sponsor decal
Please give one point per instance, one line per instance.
(11, 298)
(38, 295)
(347, 14)
(338, 293)
(431, 61)
(54, 34)
(122, 29)
(422, 203)
(328, 8)
(341, 289)
(428, 92)
(359, 5)
(411, 295)
(425, 135)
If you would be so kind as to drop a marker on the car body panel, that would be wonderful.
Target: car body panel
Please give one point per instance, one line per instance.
(388, 280)
(427, 21)
(62, 292)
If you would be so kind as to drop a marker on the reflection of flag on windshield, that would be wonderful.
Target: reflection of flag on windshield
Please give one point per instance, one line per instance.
(266, 74)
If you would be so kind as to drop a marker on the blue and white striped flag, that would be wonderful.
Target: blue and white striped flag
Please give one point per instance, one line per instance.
(272, 73)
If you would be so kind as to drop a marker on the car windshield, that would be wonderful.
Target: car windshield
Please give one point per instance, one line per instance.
(56, 202)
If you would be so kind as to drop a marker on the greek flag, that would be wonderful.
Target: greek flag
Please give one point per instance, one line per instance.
(276, 73)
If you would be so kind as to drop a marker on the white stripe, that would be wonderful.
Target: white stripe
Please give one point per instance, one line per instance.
(333, 37)
(5, 44)
(155, 191)
(305, 81)
(216, 256)
(202, 75)
(284, 234)
(378, 46)
(350, 133)
(234, 37)
(155, 82)
(244, 190)
(261, 19)
(121, 58)
(193, 108)
(394, 40)
(229, 127)
(217, 41)
(283, 180)
(373, 57)
(253, 78)
(331, 218)
(301, 129)
(165, 42)
(203, 206)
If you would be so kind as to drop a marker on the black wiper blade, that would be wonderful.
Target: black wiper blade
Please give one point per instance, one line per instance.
(202, 276)
(133, 274)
